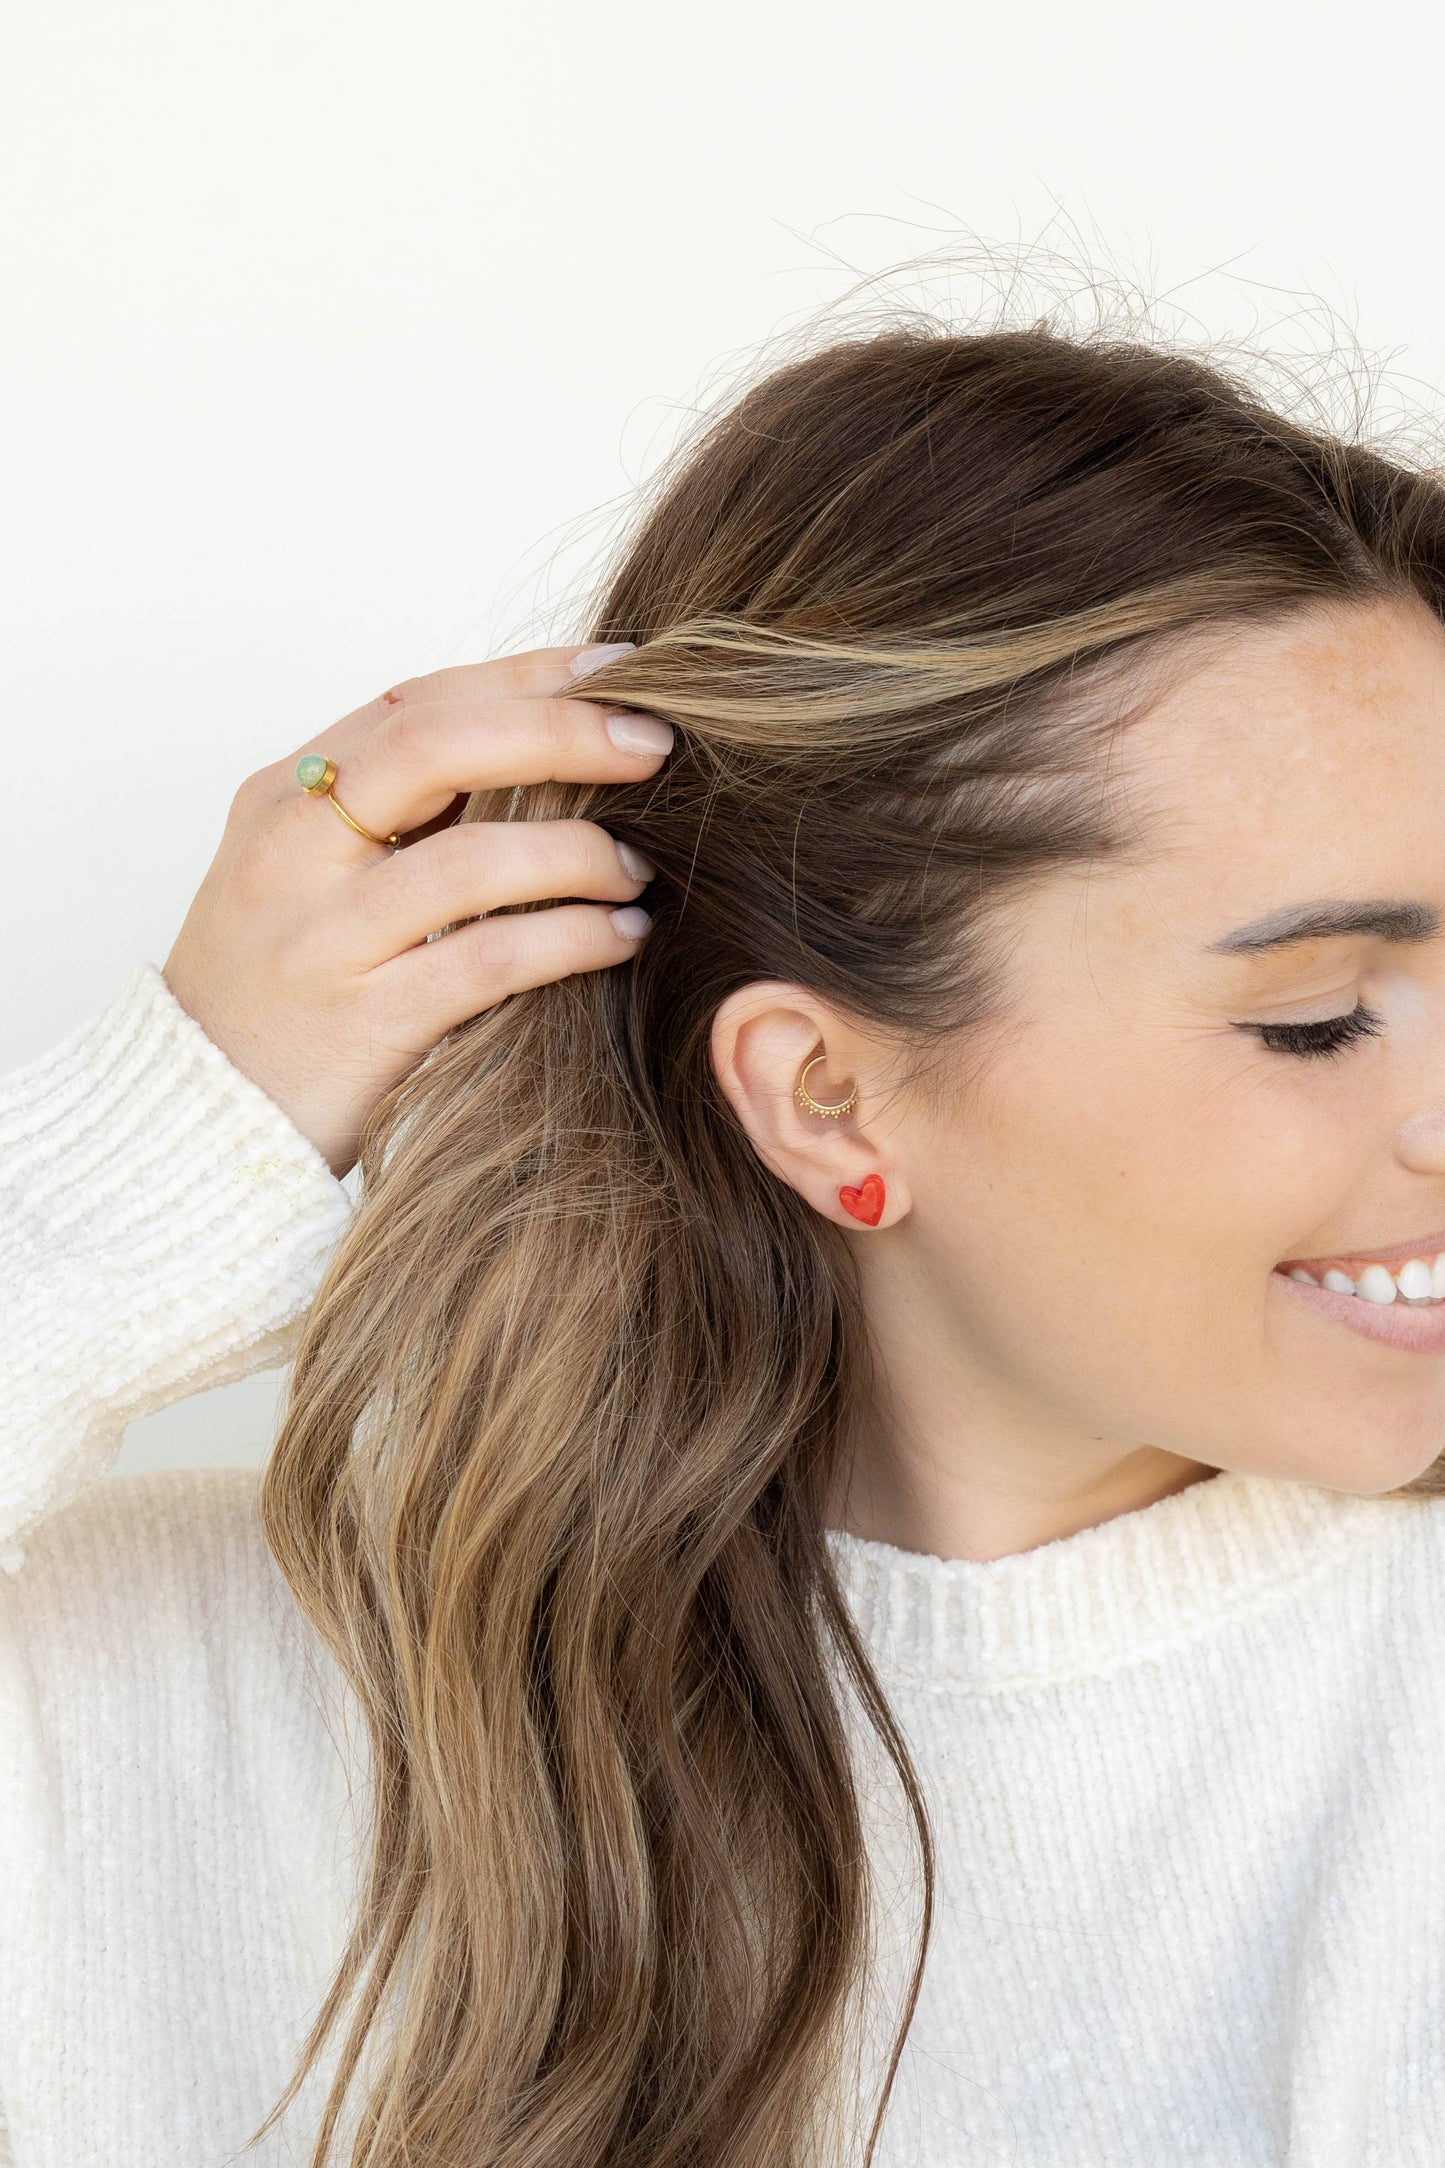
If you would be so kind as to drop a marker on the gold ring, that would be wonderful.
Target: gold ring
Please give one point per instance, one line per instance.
(316, 774)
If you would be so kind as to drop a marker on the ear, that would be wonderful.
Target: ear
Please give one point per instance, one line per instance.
(761, 1036)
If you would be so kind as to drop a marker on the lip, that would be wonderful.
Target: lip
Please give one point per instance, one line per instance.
(1427, 1247)
(1415, 1328)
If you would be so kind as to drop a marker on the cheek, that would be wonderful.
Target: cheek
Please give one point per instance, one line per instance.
(1142, 1206)
(1093, 1242)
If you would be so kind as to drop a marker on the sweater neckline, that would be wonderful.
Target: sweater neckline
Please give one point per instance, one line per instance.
(1136, 1586)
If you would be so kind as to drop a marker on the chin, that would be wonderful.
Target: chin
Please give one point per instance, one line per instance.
(1366, 1468)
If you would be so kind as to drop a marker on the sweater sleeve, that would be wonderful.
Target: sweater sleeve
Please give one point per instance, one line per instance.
(165, 1226)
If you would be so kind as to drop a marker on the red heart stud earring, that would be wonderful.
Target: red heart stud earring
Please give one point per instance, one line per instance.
(866, 1202)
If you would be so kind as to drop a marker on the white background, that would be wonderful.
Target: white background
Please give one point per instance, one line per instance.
(337, 335)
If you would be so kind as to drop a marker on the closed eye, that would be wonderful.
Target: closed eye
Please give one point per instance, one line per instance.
(1318, 1041)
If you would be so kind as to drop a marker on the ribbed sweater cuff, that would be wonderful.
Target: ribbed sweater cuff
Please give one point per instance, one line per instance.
(166, 1226)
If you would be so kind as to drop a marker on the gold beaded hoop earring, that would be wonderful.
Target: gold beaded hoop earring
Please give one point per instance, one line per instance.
(811, 1105)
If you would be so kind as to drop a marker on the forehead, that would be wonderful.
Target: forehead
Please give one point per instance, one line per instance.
(1302, 756)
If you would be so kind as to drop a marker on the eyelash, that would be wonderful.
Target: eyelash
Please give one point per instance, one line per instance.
(1320, 1041)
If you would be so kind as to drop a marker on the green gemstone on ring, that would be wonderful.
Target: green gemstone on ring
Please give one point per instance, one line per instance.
(310, 769)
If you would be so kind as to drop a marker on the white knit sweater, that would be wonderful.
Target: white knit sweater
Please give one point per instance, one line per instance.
(1185, 1769)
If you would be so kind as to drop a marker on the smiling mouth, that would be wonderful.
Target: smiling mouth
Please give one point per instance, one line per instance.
(1411, 1273)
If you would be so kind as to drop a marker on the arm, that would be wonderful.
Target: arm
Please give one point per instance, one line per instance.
(165, 1226)
(169, 1176)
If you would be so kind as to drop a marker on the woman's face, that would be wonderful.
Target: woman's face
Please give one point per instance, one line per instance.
(1076, 1291)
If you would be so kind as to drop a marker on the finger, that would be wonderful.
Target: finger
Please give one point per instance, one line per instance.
(422, 755)
(443, 982)
(478, 867)
(533, 674)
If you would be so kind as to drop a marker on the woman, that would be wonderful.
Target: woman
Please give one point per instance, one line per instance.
(851, 1565)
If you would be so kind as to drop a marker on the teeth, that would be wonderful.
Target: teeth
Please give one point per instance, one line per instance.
(1417, 1281)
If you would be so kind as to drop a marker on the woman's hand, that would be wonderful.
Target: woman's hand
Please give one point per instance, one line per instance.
(304, 954)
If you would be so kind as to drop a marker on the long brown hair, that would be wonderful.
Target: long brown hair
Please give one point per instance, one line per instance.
(550, 1484)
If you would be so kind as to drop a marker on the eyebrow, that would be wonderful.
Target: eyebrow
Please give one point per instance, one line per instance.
(1336, 917)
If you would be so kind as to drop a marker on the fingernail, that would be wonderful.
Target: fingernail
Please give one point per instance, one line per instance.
(639, 733)
(592, 658)
(631, 921)
(634, 865)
